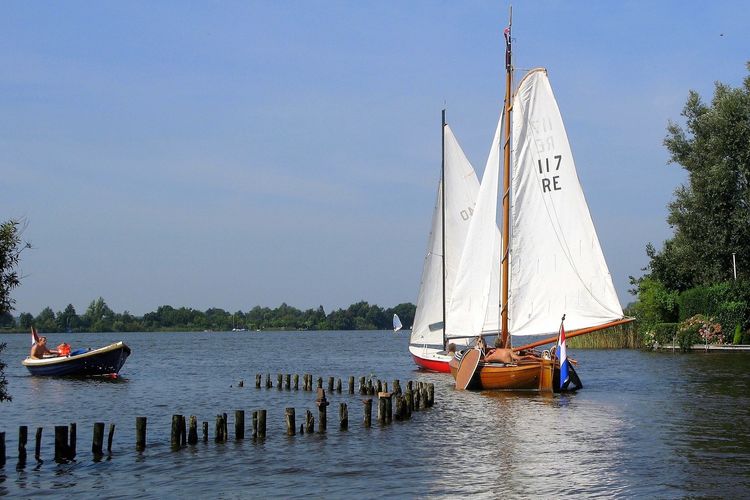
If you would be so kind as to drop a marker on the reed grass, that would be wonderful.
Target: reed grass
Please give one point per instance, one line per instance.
(616, 337)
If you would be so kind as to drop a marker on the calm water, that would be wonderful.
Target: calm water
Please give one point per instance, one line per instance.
(645, 425)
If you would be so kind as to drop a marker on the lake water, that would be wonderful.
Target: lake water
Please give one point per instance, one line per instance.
(646, 424)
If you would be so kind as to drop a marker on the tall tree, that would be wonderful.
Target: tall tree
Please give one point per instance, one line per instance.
(710, 213)
(11, 247)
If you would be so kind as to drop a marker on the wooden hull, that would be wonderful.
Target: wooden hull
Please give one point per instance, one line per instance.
(103, 361)
(527, 375)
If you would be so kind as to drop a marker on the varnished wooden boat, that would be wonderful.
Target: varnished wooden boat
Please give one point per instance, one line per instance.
(526, 375)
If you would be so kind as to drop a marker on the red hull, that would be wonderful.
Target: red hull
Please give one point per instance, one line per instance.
(432, 365)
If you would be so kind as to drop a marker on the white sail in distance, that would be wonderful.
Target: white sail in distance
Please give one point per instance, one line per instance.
(557, 265)
(462, 187)
(396, 323)
(474, 306)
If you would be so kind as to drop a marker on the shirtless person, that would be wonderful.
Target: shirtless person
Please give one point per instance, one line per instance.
(500, 355)
(39, 349)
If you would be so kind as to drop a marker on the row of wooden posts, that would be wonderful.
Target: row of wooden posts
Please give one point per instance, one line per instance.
(396, 405)
(366, 386)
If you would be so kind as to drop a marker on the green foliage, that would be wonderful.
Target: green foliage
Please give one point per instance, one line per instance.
(4, 396)
(11, 247)
(664, 333)
(699, 329)
(737, 335)
(655, 304)
(100, 318)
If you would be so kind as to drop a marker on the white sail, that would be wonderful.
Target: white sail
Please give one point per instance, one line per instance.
(396, 323)
(462, 186)
(557, 265)
(474, 306)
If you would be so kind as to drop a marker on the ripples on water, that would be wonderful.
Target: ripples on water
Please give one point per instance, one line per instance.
(645, 425)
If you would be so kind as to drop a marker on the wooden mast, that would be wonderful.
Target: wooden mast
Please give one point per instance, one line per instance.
(506, 184)
(442, 191)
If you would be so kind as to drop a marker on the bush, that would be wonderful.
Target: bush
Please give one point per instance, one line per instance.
(664, 333)
(698, 330)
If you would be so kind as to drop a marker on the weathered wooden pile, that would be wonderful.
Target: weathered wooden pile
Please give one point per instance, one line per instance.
(391, 405)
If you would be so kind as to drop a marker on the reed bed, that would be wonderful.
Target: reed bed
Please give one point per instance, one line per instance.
(616, 337)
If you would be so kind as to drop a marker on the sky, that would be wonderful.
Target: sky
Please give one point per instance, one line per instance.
(240, 153)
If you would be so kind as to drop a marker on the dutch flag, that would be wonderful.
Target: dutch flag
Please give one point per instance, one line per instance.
(563, 355)
(34, 336)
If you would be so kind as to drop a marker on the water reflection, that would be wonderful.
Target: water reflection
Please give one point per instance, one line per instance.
(645, 425)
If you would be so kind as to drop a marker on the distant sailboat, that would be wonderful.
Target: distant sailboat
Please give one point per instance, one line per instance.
(396, 323)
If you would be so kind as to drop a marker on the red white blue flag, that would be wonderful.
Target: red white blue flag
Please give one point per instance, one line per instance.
(34, 336)
(563, 355)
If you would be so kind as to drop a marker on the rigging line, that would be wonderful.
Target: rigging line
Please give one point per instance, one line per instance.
(557, 225)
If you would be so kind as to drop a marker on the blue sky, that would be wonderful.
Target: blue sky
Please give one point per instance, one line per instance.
(233, 154)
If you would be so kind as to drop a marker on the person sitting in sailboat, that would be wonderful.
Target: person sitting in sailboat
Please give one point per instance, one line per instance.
(500, 354)
(40, 349)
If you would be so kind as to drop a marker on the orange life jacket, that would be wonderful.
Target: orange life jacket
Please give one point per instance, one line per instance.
(63, 349)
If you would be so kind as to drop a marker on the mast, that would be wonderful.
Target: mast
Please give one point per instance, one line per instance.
(442, 191)
(506, 185)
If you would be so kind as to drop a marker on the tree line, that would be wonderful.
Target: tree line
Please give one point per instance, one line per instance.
(99, 317)
(696, 287)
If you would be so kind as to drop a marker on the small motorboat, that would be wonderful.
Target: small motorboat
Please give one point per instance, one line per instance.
(82, 362)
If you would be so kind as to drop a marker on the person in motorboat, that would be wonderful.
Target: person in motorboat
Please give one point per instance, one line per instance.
(40, 349)
(500, 354)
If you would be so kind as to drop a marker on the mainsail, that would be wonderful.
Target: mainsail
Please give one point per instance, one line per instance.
(461, 193)
(557, 265)
(474, 306)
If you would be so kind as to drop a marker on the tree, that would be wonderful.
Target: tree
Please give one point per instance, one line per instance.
(710, 214)
(11, 247)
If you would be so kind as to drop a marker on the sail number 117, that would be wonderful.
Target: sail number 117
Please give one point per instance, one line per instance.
(545, 167)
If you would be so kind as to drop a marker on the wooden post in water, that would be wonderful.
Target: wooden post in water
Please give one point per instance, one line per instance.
(291, 426)
(268, 381)
(296, 381)
(219, 429)
(322, 403)
(183, 430)
(262, 424)
(287, 381)
(23, 436)
(330, 384)
(97, 439)
(241, 383)
(225, 422)
(239, 424)
(368, 412)
(110, 437)
(338, 385)
(409, 402)
(38, 446)
(175, 434)
(362, 386)
(320, 382)
(61, 443)
(380, 386)
(279, 381)
(309, 422)
(140, 434)
(193, 430)
(409, 386)
(255, 424)
(205, 431)
(382, 408)
(2, 449)
(430, 394)
(258, 380)
(399, 413)
(351, 385)
(396, 387)
(343, 416)
(72, 442)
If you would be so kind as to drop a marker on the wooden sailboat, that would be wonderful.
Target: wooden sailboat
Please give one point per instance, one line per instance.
(552, 263)
(457, 193)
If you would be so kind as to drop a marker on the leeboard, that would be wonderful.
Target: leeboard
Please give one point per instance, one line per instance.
(467, 368)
